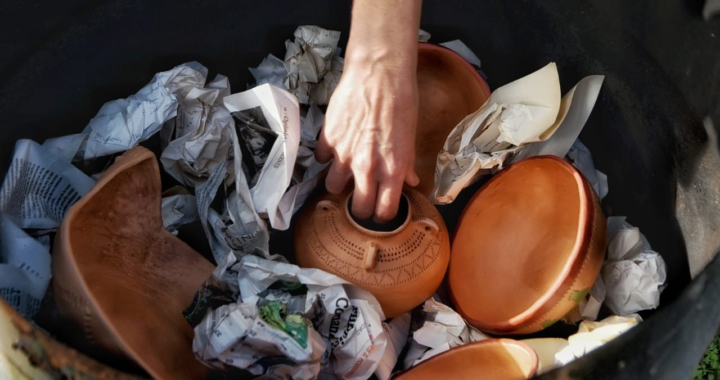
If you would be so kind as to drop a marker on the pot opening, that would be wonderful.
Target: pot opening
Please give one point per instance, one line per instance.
(393, 225)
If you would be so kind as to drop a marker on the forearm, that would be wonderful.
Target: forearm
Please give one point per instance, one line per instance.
(384, 32)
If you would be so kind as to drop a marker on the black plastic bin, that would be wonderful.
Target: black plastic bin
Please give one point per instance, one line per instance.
(60, 61)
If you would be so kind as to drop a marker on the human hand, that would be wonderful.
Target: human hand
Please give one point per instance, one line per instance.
(369, 133)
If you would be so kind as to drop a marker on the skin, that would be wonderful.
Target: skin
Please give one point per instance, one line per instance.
(369, 130)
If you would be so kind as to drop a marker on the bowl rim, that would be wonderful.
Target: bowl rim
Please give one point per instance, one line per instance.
(431, 47)
(572, 268)
(133, 157)
(534, 361)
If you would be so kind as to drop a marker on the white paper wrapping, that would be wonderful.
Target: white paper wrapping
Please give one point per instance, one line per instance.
(634, 275)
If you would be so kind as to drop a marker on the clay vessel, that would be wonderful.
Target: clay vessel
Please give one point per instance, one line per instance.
(449, 89)
(122, 278)
(546, 348)
(401, 266)
(528, 247)
(490, 359)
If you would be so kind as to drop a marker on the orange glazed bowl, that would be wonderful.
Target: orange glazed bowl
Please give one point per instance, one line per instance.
(490, 359)
(449, 88)
(528, 247)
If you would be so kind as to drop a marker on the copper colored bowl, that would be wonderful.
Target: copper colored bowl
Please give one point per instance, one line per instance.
(402, 267)
(528, 247)
(449, 89)
(122, 278)
(490, 359)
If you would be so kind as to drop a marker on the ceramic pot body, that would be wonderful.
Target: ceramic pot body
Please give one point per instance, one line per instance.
(528, 248)
(490, 359)
(449, 89)
(401, 268)
(122, 278)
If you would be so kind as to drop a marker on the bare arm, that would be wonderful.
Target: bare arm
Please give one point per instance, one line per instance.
(372, 116)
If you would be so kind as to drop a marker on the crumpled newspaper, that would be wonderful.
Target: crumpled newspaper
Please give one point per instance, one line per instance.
(123, 123)
(592, 335)
(633, 274)
(178, 208)
(39, 187)
(268, 123)
(311, 68)
(581, 159)
(519, 120)
(273, 315)
(24, 268)
(441, 328)
(236, 228)
(397, 331)
(202, 133)
(517, 113)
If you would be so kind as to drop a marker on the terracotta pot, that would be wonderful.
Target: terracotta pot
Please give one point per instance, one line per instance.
(528, 247)
(449, 89)
(401, 268)
(491, 359)
(125, 280)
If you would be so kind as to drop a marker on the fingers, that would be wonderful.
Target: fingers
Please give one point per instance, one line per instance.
(411, 178)
(363, 198)
(323, 151)
(389, 193)
(337, 178)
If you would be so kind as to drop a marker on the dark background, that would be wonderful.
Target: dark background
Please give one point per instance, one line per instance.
(60, 61)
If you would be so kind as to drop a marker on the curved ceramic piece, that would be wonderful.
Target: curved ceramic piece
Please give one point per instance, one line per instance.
(125, 280)
(528, 247)
(401, 268)
(449, 89)
(490, 359)
(546, 348)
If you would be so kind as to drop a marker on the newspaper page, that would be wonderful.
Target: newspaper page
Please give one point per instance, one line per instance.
(39, 188)
(178, 208)
(267, 124)
(518, 113)
(347, 318)
(397, 331)
(202, 133)
(24, 269)
(123, 123)
(310, 69)
(441, 328)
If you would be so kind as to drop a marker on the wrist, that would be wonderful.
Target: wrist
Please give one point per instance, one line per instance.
(401, 57)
